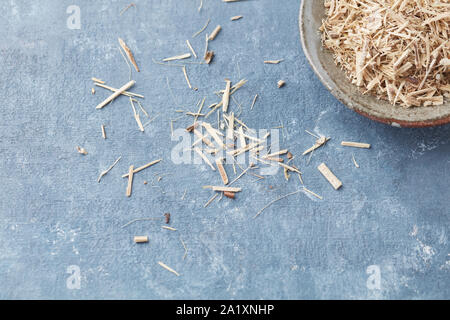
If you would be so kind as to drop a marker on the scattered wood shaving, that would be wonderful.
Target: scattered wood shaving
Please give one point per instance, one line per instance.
(130, 181)
(125, 93)
(186, 77)
(312, 193)
(355, 144)
(168, 268)
(391, 48)
(116, 94)
(354, 161)
(202, 29)
(209, 56)
(215, 32)
(319, 142)
(126, 8)
(82, 151)
(142, 168)
(140, 239)
(273, 61)
(274, 201)
(205, 158)
(226, 96)
(281, 83)
(129, 54)
(103, 131)
(210, 200)
(169, 228)
(93, 90)
(98, 80)
(230, 195)
(223, 173)
(191, 48)
(108, 170)
(179, 57)
(332, 179)
(254, 101)
(236, 18)
(223, 189)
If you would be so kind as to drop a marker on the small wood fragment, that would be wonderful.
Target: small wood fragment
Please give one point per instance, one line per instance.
(273, 61)
(186, 77)
(209, 56)
(125, 93)
(98, 80)
(223, 173)
(205, 158)
(103, 131)
(226, 96)
(202, 29)
(116, 94)
(319, 142)
(236, 18)
(129, 54)
(143, 167)
(215, 32)
(254, 101)
(179, 57)
(169, 228)
(332, 179)
(312, 193)
(223, 189)
(355, 144)
(230, 195)
(108, 170)
(82, 150)
(140, 239)
(354, 161)
(130, 181)
(168, 268)
(93, 90)
(191, 48)
(281, 83)
(167, 218)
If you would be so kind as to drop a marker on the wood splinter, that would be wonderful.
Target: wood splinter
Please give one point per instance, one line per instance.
(116, 94)
(129, 54)
(82, 151)
(332, 179)
(130, 181)
(140, 239)
(355, 144)
(223, 173)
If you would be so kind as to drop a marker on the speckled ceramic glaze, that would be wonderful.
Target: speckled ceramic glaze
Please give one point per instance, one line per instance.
(312, 12)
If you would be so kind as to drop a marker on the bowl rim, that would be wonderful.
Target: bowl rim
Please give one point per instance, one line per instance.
(347, 100)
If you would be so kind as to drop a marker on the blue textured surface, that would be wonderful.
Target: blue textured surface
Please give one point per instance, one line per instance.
(392, 213)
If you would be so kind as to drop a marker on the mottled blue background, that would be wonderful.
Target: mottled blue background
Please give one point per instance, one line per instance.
(393, 212)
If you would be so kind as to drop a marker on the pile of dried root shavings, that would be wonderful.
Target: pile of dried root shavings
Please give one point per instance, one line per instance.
(396, 50)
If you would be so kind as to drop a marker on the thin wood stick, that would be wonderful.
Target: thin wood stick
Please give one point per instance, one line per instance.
(226, 96)
(143, 167)
(108, 170)
(210, 200)
(205, 158)
(222, 189)
(116, 94)
(125, 93)
(98, 80)
(273, 61)
(169, 228)
(332, 179)
(186, 77)
(236, 18)
(191, 48)
(140, 219)
(179, 57)
(272, 202)
(355, 144)
(130, 181)
(289, 168)
(103, 131)
(202, 29)
(254, 101)
(354, 161)
(312, 193)
(223, 173)
(129, 54)
(168, 268)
